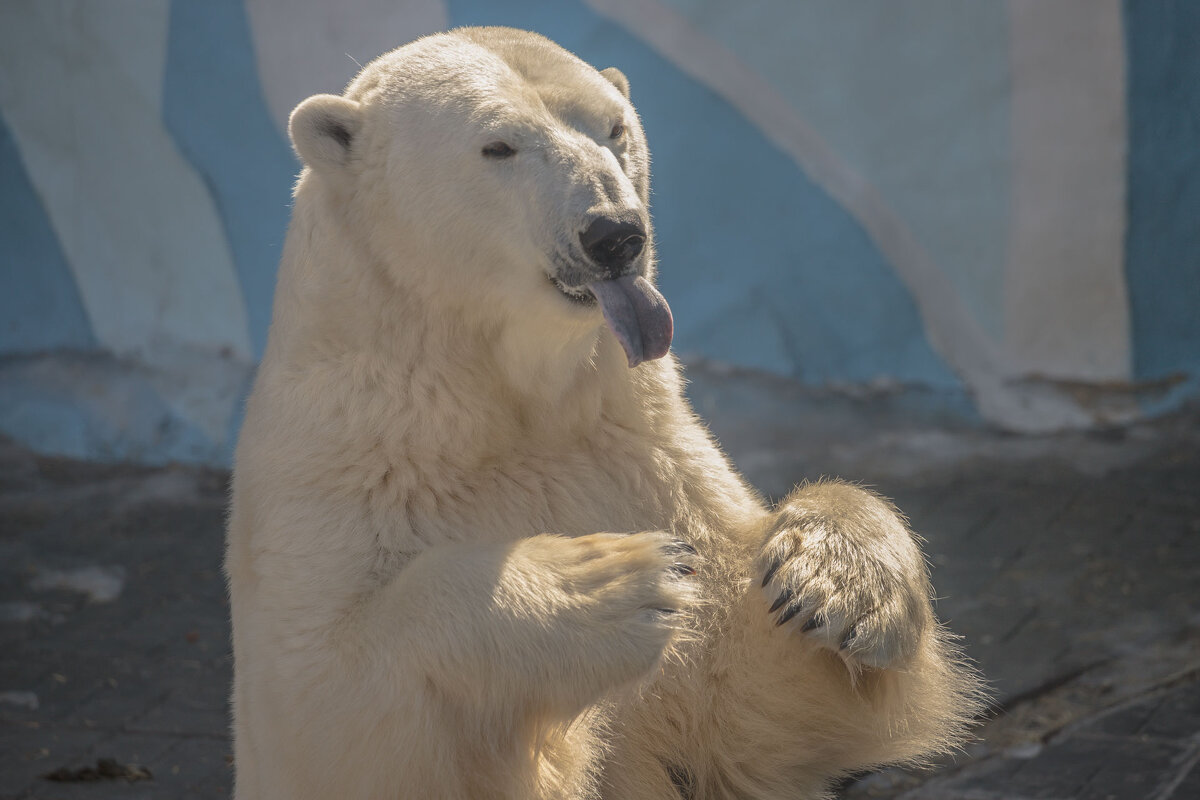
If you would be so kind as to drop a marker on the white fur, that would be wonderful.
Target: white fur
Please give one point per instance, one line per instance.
(425, 603)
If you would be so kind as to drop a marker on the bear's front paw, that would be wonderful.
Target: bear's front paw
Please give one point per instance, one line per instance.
(630, 575)
(621, 598)
(840, 567)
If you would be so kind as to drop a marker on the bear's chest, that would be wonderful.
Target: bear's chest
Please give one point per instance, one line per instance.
(570, 491)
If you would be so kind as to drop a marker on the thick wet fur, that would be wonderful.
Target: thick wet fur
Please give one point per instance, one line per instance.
(472, 553)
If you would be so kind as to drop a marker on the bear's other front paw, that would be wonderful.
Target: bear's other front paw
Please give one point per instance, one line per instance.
(623, 596)
(841, 568)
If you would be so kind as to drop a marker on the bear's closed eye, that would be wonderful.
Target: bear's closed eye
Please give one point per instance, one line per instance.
(499, 150)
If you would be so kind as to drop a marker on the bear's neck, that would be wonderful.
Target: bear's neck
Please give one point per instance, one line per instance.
(434, 381)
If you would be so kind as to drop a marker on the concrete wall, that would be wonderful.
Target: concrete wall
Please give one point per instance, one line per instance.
(997, 201)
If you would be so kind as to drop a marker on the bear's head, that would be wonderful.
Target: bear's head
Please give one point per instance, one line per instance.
(498, 176)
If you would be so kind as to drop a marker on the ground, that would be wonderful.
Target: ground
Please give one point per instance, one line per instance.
(1070, 565)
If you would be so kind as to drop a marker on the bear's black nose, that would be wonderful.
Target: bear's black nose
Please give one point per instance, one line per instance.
(613, 243)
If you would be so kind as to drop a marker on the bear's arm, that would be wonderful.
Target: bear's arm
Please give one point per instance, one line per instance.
(544, 625)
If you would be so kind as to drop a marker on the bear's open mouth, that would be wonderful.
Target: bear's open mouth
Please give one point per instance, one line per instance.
(580, 296)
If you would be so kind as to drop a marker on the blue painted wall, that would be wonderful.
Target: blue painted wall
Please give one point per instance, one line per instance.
(39, 303)
(1163, 238)
(213, 106)
(876, 229)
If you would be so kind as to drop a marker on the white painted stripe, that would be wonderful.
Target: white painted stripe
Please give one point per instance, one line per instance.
(307, 47)
(950, 328)
(957, 336)
(1066, 307)
(81, 88)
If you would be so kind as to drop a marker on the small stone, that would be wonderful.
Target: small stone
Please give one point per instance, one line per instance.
(1025, 751)
(27, 700)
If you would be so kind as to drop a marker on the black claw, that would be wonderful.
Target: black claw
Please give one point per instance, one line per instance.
(816, 621)
(680, 546)
(849, 637)
(685, 570)
(779, 601)
(683, 780)
(772, 568)
(789, 612)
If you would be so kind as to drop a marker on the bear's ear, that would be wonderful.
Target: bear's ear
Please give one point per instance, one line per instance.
(617, 79)
(323, 129)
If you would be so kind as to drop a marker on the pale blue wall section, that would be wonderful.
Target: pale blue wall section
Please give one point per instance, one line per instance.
(1163, 237)
(97, 407)
(40, 307)
(914, 95)
(213, 106)
(762, 268)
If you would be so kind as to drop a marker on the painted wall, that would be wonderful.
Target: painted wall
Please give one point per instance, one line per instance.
(996, 200)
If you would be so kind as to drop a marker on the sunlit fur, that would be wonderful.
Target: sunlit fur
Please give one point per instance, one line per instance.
(422, 604)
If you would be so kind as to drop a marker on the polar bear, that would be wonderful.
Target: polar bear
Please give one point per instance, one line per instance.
(479, 545)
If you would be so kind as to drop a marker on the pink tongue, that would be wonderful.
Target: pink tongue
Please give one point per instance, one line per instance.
(637, 314)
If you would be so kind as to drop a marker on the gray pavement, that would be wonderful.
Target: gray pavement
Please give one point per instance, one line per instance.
(1070, 565)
